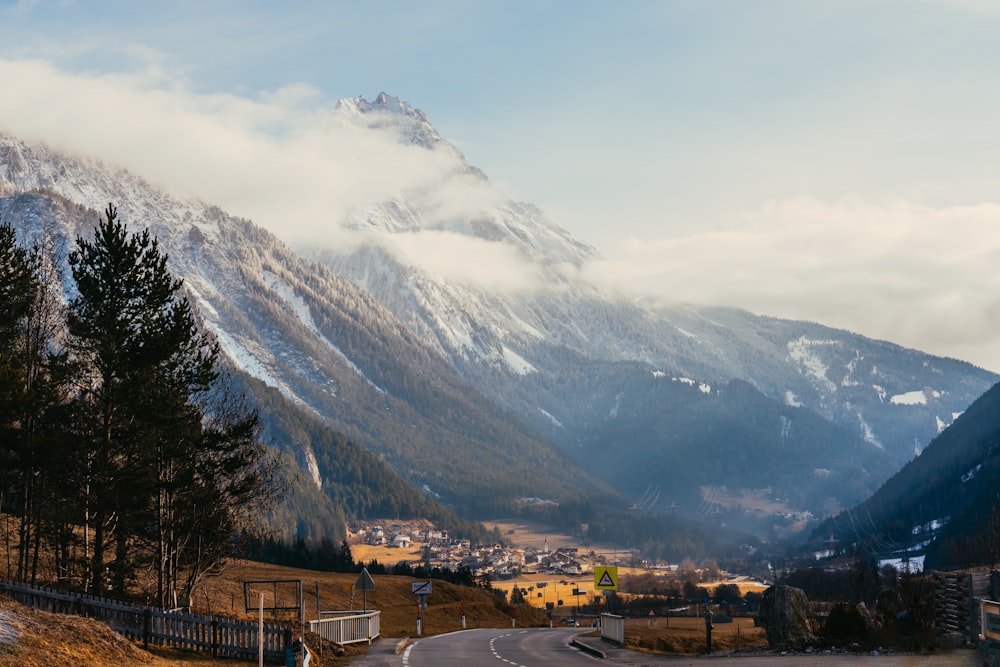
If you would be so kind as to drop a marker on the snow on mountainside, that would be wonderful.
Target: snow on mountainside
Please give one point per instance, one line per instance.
(323, 343)
(587, 368)
(524, 344)
(938, 504)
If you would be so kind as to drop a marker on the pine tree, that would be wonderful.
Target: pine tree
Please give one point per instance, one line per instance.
(16, 282)
(174, 463)
(33, 385)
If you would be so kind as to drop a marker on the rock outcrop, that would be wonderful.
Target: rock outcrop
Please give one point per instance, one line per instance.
(784, 615)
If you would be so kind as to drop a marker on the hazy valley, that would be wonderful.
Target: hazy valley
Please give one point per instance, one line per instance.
(396, 388)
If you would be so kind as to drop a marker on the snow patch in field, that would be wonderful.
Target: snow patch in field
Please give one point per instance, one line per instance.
(516, 362)
(791, 400)
(248, 362)
(617, 405)
(918, 397)
(929, 527)
(969, 476)
(907, 565)
(802, 351)
(551, 418)
(868, 434)
(9, 632)
(704, 388)
(204, 306)
(301, 310)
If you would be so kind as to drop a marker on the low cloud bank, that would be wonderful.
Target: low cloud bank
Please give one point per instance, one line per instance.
(920, 276)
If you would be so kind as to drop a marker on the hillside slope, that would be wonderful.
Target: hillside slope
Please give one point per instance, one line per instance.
(559, 350)
(329, 349)
(939, 504)
(462, 383)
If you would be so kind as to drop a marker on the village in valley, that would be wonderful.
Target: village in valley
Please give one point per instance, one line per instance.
(418, 542)
(551, 570)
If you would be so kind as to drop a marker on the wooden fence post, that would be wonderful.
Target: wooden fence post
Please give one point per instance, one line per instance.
(147, 626)
(215, 638)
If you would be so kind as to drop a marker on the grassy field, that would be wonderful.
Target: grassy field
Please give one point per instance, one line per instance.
(34, 639)
(686, 636)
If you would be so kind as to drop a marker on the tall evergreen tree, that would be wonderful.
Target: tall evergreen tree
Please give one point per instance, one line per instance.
(16, 283)
(170, 464)
(33, 386)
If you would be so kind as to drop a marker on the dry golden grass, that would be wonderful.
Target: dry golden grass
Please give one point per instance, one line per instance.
(553, 590)
(532, 534)
(35, 639)
(29, 638)
(686, 636)
(386, 555)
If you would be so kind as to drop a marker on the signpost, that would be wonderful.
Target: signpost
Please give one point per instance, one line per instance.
(364, 584)
(421, 589)
(606, 578)
(989, 623)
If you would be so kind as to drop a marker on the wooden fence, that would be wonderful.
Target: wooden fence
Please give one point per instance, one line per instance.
(956, 602)
(222, 637)
(349, 627)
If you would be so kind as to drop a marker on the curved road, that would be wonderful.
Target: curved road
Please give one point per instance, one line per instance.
(545, 647)
(550, 647)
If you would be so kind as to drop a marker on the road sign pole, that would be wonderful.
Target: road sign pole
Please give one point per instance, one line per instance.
(365, 583)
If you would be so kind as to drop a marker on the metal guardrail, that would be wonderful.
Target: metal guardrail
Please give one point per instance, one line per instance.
(613, 628)
(988, 631)
(349, 627)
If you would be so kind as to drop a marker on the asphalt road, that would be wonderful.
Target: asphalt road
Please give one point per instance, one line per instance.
(534, 647)
(545, 647)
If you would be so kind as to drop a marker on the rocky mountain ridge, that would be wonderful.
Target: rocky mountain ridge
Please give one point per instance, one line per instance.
(462, 386)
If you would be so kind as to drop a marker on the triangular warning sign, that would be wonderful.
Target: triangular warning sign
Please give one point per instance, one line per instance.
(606, 580)
(365, 581)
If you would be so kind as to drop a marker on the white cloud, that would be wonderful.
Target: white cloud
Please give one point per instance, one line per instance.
(454, 257)
(922, 276)
(919, 276)
(284, 158)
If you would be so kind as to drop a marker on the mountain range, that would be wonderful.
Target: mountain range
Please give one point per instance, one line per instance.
(523, 390)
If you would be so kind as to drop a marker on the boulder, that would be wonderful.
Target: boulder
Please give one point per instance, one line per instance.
(784, 615)
(847, 625)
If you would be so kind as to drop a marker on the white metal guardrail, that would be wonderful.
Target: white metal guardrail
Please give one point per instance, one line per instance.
(349, 627)
(613, 628)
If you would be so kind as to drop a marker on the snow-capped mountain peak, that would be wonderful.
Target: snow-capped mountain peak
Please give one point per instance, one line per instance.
(577, 364)
(388, 112)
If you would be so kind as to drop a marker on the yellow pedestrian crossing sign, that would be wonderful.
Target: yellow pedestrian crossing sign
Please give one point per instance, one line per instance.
(606, 578)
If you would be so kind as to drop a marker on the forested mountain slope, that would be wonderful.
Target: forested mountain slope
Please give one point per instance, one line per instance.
(943, 504)
(331, 350)
(461, 385)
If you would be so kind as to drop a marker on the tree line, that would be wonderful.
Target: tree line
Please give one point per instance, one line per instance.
(127, 461)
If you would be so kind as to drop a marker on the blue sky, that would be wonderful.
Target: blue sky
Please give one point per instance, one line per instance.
(831, 161)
